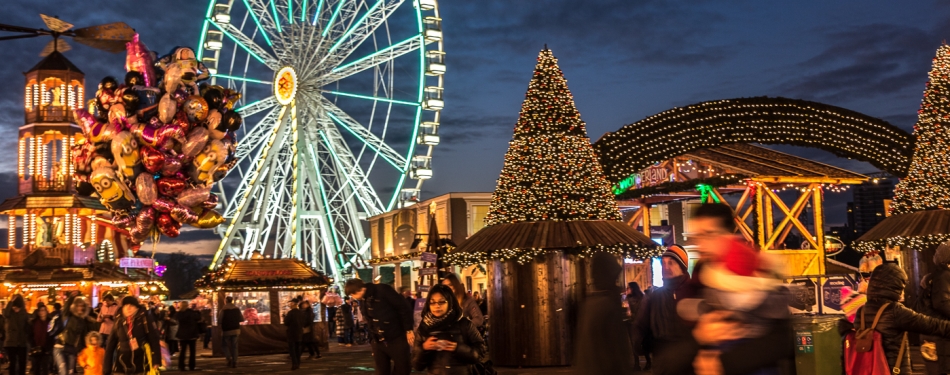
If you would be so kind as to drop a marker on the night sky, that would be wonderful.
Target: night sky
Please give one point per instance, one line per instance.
(624, 60)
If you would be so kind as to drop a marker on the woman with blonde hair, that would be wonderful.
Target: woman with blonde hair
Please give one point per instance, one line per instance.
(470, 308)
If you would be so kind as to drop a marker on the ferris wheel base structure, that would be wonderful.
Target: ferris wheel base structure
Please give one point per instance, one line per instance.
(341, 113)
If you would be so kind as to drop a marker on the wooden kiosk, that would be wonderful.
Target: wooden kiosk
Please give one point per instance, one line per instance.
(261, 288)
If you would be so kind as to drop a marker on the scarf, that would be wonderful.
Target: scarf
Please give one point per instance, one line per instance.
(432, 323)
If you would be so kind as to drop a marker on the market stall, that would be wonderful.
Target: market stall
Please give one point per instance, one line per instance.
(49, 284)
(261, 289)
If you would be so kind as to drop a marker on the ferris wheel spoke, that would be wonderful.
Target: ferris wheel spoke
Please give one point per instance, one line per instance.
(257, 22)
(255, 137)
(253, 108)
(268, 24)
(364, 135)
(247, 44)
(357, 33)
(371, 61)
(349, 169)
(242, 79)
(376, 98)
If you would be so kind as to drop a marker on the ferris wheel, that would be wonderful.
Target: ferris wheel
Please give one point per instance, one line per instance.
(341, 111)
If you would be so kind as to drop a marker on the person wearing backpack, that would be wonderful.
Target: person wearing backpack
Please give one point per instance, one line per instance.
(891, 320)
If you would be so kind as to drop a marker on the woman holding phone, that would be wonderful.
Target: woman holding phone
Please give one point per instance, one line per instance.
(447, 343)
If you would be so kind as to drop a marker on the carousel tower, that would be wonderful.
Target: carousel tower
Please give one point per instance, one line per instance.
(47, 213)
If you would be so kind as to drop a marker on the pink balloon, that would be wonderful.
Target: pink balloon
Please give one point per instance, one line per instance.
(192, 197)
(196, 141)
(145, 189)
(94, 130)
(164, 204)
(172, 165)
(122, 221)
(184, 215)
(138, 58)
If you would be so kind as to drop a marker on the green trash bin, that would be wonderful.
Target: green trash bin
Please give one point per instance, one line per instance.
(817, 344)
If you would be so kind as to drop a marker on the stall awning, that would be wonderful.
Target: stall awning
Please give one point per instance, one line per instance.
(51, 205)
(262, 273)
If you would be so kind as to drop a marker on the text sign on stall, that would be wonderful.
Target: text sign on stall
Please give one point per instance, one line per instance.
(831, 294)
(269, 273)
(429, 257)
(428, 271)
(136, 263)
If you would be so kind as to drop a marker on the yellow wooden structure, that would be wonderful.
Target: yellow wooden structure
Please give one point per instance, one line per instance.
(760, 175)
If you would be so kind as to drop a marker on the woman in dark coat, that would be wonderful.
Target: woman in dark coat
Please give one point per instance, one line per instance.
(470, 308)
(170, 329)
(125, 350)
(447, 343)
(41, 345)
(634, 299)
(887, 286)
(309, 336)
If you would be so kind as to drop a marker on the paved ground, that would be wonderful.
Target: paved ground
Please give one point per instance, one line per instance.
(339, 360)
(356, 360)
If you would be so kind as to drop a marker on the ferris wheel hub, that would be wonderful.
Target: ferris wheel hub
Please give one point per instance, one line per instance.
(285, 85)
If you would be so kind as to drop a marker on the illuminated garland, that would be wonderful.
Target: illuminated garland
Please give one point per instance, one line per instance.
(918, 243)
(927, 186)
(395, 258)
(764, 120)
(551, 172)
(523, 256)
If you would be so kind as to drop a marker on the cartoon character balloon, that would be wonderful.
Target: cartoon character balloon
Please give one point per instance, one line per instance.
(125, 149)
(113, 194)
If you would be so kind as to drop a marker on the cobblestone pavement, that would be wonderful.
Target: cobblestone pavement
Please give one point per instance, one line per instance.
(339, 360)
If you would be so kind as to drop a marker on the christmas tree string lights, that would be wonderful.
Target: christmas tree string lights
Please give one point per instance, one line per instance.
(551, 171)
(551, 174)
(927, 185)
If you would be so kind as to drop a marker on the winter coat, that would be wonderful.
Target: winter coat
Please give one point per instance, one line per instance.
(886, 286)
(91, 359)
(170, 327)
(603, 346)
(662, 332)
(39, 335)
(938, 306)
(294, 323)
(17, 325)
(106, 318)
(230, 320)
(144, 332)
(471, 349)
(386, 312)
(188, 324)
(346, 311)
(70, 329)
(471, 311)
(307, 322)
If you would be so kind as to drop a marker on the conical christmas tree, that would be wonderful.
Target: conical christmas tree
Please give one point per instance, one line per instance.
(927, 185)
(920, 211)
(551, 172)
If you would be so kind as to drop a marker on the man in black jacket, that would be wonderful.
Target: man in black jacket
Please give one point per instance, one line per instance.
(231, 319)
(188, 332)
(293, 320)
(390, 324)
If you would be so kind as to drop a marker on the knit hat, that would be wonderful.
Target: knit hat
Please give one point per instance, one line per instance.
(942, 255)
(130, 300)
(679, 255)
(737, 270)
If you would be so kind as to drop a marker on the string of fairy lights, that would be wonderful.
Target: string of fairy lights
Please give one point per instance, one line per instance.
(927, 185)
(551, 171)
(763, 120)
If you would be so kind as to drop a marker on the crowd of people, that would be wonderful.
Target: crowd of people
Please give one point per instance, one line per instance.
(118, 336)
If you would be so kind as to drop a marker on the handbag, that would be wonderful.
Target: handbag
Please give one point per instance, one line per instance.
(483, 368)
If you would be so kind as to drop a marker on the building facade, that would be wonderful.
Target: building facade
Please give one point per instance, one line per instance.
(399, 238)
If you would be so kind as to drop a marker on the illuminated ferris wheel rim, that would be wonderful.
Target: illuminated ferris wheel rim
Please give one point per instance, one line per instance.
(352, 23)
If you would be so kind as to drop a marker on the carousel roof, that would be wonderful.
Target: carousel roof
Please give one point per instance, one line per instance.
(69, 273)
